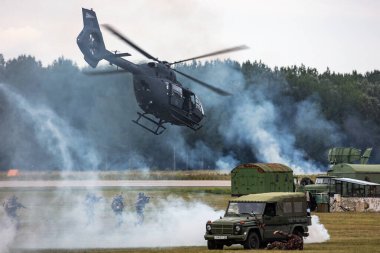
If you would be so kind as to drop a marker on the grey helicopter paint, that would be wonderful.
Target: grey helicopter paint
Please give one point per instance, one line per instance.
(157, 90)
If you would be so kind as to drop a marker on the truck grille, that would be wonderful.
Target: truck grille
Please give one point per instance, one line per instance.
(218, 229)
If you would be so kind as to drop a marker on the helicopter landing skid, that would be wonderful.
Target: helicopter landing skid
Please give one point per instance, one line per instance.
(159, 128)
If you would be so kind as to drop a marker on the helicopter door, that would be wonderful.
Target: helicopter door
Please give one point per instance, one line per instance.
(176, 96)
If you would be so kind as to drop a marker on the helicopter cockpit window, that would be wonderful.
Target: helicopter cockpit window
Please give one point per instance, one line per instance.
(198, 104)
(173, 77)
(152, 64)
(193, 100)
(176, 90)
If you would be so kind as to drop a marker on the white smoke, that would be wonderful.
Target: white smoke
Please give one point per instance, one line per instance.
(168, 222)
(7, 233)
(61, 140)
(226, 163)
(317, 231)
(174, 223)
(260, 117)
(254, 124)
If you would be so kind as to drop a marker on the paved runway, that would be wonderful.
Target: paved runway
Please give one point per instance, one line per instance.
(114, 183)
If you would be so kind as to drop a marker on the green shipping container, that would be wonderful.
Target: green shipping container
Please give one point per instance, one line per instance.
(261, 177)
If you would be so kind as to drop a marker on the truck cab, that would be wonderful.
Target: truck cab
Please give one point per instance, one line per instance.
(323, 184)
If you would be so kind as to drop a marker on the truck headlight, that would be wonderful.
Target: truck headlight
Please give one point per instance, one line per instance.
(208, 227)
(237, 229)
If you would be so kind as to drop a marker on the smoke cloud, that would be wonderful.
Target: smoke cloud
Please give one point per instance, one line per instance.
(260, 123)
(170, 221)
(52, 133)
(317, 231)
(7, 233)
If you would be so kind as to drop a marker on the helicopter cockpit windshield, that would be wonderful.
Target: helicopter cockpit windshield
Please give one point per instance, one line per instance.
(198, 105)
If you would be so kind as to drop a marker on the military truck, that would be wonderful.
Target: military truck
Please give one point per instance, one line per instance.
(253, 178)
(343, 166)
(250, 220)
(342, 160)
(323, 184)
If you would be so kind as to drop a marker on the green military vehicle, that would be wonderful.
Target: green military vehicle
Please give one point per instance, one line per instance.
(342, 160)
(343, 166)
(250, 220)
(250, 178)
(323, 184)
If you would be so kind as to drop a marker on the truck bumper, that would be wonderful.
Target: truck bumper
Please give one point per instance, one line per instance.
(238, 238)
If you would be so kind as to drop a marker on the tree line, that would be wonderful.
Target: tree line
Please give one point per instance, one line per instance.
(350, 102)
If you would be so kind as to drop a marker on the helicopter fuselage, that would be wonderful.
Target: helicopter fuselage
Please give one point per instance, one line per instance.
(159, 93)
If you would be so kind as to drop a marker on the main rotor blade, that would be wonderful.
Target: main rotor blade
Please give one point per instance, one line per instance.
(129, 42)
(209, 86)
(104, 72)
(232, 49)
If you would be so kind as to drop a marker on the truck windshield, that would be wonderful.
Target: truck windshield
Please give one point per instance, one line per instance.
(324, 180)
(238, 209)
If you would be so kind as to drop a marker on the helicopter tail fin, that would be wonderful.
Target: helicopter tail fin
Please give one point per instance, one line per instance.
(90, 39)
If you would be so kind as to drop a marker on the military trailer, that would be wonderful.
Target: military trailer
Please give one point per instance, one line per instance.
(251, 220)
(252, 178)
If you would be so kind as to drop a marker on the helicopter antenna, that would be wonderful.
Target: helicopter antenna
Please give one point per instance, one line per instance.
(129, 42)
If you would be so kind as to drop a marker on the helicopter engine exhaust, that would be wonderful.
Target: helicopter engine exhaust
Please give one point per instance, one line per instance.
(90, 39)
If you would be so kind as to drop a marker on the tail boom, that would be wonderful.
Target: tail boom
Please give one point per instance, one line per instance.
(90, 42)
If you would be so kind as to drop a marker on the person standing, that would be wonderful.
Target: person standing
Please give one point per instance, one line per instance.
(141, 201)
(11, 205)
(117, 206)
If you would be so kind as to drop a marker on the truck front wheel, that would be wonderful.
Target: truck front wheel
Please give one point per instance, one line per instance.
(252, 242)
(211, 244)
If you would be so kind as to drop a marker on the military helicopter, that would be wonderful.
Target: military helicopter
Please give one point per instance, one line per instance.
(157, 90)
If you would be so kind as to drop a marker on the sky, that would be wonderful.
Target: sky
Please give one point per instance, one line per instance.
(341, 35)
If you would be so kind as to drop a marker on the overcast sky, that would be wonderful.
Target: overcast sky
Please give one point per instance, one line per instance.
(343, 35)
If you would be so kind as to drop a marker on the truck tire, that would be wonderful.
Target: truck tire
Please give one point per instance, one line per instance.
(219, 245)
(298, 231)
(252, 242)
(211, 244)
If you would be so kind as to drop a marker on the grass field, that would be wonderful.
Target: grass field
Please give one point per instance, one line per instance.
(350, 232)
